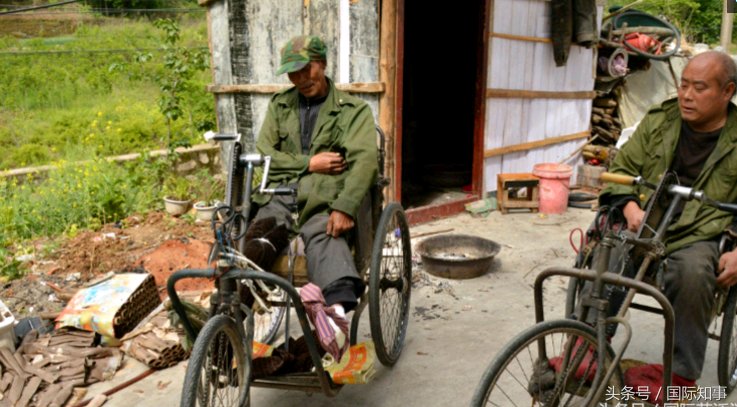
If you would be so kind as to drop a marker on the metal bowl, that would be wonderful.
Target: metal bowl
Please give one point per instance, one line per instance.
(457, 256)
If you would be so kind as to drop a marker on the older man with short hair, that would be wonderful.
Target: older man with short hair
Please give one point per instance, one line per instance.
(695, 137)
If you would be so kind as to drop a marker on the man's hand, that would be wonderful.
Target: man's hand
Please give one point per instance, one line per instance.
(727, 269)
(338, 223)
(634, 215)
(327, 163)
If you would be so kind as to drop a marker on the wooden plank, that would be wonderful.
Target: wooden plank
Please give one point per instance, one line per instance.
(524, 38)
(538, 94)
(268, 88)
(390, 74)
(434, 212)
(535, 144)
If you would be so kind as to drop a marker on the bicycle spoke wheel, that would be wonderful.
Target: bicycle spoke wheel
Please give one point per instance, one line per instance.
(218, 370)
(390, 283)
(727, 361)
(267, 316)
(533, 369)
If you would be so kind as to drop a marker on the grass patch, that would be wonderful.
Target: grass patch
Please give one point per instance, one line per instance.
(58, 96)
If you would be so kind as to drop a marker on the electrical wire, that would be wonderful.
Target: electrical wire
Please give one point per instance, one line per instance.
(119, 11)
(39, 7)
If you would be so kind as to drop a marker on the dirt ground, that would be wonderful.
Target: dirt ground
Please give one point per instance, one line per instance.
(456, 327)
(157, 243)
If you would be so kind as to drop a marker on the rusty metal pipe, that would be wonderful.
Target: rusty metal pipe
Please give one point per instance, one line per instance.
(616, 279)
(176, 303)
(312, 346)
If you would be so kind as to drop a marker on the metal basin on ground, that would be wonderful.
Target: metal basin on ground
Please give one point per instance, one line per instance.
(457, 256)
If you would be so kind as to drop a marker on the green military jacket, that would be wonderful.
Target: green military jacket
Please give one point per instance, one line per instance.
(650, 152)
(345, 124)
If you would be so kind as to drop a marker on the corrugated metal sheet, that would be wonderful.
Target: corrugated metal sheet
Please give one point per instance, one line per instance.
(529, 65)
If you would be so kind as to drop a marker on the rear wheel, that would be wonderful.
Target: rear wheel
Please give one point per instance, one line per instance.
(522, 372)
(727, 362)
(218, 370)
(390, 283)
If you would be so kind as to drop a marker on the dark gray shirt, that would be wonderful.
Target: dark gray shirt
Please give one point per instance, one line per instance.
(691, 154)
(308, 111)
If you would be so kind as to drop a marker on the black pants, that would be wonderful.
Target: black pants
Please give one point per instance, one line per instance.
(689, 283)
(330, 263)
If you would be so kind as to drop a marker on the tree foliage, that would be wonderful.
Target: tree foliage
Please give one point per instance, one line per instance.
(698, 20)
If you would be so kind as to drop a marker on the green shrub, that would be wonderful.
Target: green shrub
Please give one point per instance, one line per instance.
(74, 196)
(50, 101)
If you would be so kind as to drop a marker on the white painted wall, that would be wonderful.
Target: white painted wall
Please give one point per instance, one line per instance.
(523, 65)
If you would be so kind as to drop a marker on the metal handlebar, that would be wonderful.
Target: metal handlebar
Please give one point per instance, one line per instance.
(211, 135)
(256, 160)
(685, 193)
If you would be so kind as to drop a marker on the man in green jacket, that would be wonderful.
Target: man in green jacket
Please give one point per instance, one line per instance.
(323, 141)
(694, 136)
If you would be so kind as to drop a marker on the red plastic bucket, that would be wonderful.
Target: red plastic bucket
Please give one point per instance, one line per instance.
(554, 186)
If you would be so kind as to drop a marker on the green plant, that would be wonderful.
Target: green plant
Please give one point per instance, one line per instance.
(180, 65)
(10, 268)
(177, 187)
(208, 188)
(61, 102)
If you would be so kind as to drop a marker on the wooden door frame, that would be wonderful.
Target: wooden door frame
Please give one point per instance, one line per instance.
(390, 112)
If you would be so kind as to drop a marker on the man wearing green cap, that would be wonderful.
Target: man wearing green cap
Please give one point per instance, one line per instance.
(324, 141)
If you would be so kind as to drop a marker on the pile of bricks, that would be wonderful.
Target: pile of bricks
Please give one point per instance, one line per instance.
(44, 370)
(156, 342)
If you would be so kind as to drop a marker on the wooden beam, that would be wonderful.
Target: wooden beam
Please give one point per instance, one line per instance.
(520, 37)
(535, 144)
(434, 212)
(388, 74)
(538, 94)
(269, 88)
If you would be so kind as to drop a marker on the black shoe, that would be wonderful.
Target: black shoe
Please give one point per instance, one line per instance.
(260, 227)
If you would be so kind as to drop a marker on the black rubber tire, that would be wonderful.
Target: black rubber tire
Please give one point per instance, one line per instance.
(727, 360)
(494, 388)
(220, 334)
(390, 284)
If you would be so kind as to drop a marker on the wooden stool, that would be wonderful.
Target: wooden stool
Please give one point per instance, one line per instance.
(505, 182)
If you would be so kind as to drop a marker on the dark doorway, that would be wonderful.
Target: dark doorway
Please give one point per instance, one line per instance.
(442, 48)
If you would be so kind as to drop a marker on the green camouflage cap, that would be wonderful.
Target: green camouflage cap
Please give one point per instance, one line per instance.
(299, 51)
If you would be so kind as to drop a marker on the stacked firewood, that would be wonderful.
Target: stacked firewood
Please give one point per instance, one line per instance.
(155, 342)
(44, 371)
(605, 122)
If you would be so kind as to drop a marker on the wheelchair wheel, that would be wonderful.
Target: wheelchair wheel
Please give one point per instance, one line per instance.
(218, 371)
(521, 374)
(267, 317)
(727, 362)
(390, 283)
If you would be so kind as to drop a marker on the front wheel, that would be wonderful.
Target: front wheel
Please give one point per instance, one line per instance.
(390, 283)
(219, 369)
(727, 361)
(522, 374)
